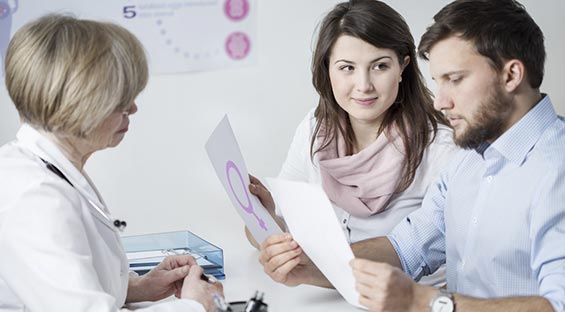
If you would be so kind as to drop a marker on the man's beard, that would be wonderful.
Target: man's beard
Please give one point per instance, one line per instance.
(489, 120)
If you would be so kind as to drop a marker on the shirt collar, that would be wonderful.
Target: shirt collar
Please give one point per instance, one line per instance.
(516, 142)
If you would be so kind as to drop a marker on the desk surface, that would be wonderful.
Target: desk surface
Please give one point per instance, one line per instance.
(244, 275)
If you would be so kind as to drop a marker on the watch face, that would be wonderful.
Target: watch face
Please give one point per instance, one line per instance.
(442, 304)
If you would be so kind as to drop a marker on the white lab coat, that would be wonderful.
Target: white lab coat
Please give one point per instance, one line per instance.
(57, 252)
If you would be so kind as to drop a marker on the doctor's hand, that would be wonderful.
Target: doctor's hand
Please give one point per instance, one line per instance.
(285, 262)
(196, 289)
(162, 281)
(383, 287)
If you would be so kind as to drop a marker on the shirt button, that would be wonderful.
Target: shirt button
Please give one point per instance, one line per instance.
(474, 220)
(489, 179)
(344, 221)
(462, 263)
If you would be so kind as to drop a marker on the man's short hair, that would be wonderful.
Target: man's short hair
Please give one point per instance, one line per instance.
(500, 30)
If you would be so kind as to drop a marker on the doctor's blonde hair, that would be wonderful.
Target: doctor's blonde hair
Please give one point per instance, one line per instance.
(66, 75)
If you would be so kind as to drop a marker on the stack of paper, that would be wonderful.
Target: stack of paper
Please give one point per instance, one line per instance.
(143, 261)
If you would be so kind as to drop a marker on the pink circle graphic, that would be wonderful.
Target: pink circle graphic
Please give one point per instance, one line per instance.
(236, 10)
(230, 165)
(238, 45)
(4, 10)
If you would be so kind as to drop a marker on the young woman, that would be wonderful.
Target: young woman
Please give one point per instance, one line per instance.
(374, 142)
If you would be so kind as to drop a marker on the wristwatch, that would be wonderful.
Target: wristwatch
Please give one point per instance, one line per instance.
(443, 302)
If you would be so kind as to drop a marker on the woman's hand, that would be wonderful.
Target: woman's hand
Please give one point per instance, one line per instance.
(258, 189)
(162, 281)
(285, 262)
(196, 289)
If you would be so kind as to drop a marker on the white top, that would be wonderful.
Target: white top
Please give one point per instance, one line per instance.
(298, 166)
(57, 252)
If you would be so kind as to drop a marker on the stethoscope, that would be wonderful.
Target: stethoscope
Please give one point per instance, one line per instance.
(119, 224)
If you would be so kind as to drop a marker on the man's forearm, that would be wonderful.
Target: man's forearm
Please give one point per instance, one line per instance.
(425, 294)
(514, 304)
(378, 249)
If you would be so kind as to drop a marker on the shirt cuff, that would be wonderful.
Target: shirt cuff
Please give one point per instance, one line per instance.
(412, 262)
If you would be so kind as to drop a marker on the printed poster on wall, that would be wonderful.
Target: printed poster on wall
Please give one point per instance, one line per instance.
(178, 35)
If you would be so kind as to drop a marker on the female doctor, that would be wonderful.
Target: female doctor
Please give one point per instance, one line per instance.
(73, 83)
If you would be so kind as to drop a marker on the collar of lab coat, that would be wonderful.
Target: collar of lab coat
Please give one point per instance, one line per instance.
(31, 139)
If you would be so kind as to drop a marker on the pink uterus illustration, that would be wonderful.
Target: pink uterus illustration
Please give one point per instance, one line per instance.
(6, 12)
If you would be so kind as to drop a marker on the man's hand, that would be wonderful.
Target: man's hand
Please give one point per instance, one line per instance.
(383, 287)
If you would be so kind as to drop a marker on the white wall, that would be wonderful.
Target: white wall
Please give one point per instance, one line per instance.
(160, 179)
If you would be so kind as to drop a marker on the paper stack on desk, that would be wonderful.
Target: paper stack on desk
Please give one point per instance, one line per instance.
(313, 224)
(146, 251)
(143, 261)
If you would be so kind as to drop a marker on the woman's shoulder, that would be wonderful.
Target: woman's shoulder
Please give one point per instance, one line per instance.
(442, 147)
(17, 164)
(443, 135)
(25, 178)
(310, 118)
(307, 124)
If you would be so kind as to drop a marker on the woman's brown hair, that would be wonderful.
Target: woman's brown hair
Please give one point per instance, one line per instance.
(413, 114)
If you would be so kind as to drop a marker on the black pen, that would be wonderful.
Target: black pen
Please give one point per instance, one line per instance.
(220, 302)
(208, 278)
(205, 277)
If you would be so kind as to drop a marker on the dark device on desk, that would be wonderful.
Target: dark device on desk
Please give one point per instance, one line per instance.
(255, 304)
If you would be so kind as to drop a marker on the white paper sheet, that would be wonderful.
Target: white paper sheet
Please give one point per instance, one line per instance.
(312, 222)
(225, 155)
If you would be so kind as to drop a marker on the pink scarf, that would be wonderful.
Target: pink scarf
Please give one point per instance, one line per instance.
(362, 184)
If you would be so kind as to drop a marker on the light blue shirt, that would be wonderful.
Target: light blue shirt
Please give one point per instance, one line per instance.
(496, 216)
